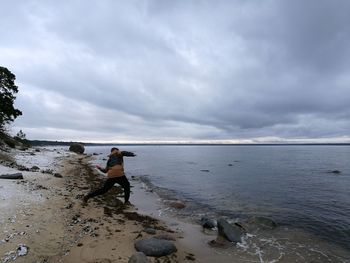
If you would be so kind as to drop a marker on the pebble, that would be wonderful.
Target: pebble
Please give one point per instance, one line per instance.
(150, 231)
(22, 250)
(207, 222)
(58, 175)
(138, 257)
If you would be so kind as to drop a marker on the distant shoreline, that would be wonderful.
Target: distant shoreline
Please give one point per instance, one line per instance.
(59, 143)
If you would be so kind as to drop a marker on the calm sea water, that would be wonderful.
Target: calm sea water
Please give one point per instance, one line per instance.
(291, 184)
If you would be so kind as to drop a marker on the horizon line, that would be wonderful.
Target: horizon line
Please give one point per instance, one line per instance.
(47, 142)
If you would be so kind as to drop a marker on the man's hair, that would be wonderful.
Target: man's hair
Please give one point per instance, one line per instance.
(114, 148)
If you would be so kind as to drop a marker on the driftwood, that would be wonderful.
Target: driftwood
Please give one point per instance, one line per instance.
(12, 176)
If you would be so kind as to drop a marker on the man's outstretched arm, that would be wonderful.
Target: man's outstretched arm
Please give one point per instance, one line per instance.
(128, 154)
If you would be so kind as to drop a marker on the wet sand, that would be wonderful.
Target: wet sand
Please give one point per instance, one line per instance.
(106, 229)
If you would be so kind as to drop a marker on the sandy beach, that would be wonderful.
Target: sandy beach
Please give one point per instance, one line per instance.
(43, 218)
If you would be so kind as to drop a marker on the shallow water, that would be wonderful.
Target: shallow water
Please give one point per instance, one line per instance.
(293, 185)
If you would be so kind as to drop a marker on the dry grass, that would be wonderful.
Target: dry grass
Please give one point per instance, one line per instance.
(4, 157)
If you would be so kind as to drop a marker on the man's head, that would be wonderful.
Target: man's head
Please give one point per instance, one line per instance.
(115, 150)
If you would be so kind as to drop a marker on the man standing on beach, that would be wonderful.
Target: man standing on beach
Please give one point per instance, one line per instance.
(115, 174)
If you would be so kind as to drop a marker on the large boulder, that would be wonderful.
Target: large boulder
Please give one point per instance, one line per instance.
(232, 233)
(155, 247)
(77, 148)
(138, 257)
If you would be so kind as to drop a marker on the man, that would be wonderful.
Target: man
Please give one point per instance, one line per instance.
(115, 174)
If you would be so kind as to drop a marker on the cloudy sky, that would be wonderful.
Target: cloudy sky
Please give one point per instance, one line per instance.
(218, 71)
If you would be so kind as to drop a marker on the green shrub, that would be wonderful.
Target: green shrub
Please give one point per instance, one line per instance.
(10, 143)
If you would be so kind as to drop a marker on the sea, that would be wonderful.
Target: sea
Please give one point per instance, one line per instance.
(304, 189)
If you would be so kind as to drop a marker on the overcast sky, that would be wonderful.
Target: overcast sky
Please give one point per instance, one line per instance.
(223, 71)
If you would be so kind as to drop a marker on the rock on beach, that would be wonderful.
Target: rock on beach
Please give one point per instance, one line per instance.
(176, 204)
(57, 175)
(138, 257)
(232, 233)
(155, 247)
(34, 168)
(164, 237)
(15, 176)
(77, 148)
(261, 222)
(150, 231)
(207, 222)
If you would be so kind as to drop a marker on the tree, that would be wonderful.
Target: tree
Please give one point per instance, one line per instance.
(8, 89)
(20, 135)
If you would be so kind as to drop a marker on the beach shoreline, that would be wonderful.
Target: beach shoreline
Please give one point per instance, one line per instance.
(43, 218)
(50, 221)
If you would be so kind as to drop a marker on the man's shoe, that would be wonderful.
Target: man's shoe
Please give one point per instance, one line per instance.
(127, 203)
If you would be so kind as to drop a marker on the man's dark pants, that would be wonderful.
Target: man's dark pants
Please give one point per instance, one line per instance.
(122, 181)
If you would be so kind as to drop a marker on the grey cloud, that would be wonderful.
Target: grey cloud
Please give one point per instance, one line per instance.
(189, 70)
(318, 33)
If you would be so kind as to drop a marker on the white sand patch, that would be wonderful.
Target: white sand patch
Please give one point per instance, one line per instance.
(16, 195)
(13, 195)
(45, 158)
